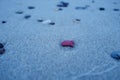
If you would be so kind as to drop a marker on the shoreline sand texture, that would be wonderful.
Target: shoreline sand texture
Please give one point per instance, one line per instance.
(33, 50)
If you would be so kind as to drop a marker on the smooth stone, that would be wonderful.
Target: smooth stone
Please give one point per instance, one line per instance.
(68, 43)
(82, 7)
(60, 9)
(27, 16)
(3, 22)
(31, 7)
(52, 23)
(116, 9)
(101, 9)
(63, 4)
(19, 12)
(77, 19)
(2, 50)
(1, 45)
(46, 21)
(40, 20)
(93, 1)
(115, 55)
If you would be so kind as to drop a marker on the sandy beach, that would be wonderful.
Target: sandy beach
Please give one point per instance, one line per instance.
(32, 31)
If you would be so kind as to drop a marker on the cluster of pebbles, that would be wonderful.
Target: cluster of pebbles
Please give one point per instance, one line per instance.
(66, 43)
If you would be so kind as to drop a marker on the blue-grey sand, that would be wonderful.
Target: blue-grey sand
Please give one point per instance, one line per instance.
(31, 32)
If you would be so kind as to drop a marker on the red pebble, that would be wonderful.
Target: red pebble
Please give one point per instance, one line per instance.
(68, 43)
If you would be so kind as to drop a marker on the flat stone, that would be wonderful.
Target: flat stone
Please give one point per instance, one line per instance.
(115, 55)
(52, 23)
(63, 4)
(40, 20)
(77, 19)
(68, 43)
(31, 7)
(60, 9)
(1, 45)
(27, 16)
(2, 50)
(19, 12)
(101, 9)
(3, 22)
(116, 9)
(47, 21)
(82, 7)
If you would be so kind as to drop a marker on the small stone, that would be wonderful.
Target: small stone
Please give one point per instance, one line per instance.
(47, 21)
(1, 45)
(40, 20)
(83, 8)
(68, 43)
(27, 16)
(3, 22)
(60, 9)
(116, 9)
(2, 50)
(63, 4)
(52, 23)
(77, 19)
(115, 3)
(116, 55)
(101, 9)
(19, 12)
(77, 8)
(93, 1)
(31, 7)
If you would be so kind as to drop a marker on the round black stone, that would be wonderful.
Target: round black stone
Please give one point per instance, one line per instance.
(52, 23)
(115, 55)
(1, 45)
(101, 9)
(77, 19)
(2, 50)
(3, 22)
(116, 9)
(60, 9)
(31, 7)
(40, 20)
(19, 12)
(27, 16)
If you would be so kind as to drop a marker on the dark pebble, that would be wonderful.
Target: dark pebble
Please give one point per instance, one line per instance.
(116, 55)
(19, 12)
(93, 1)
(101, 9)
(2, 50)
(60, 9)
(27, 16)
(52, 23)
(1, 45)
(31, 7)
(80, 7)
(116, 9)
(40, 20)
(63, 4)
(3, 22)
(85, 7)
(77, 19)
(115, 3)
